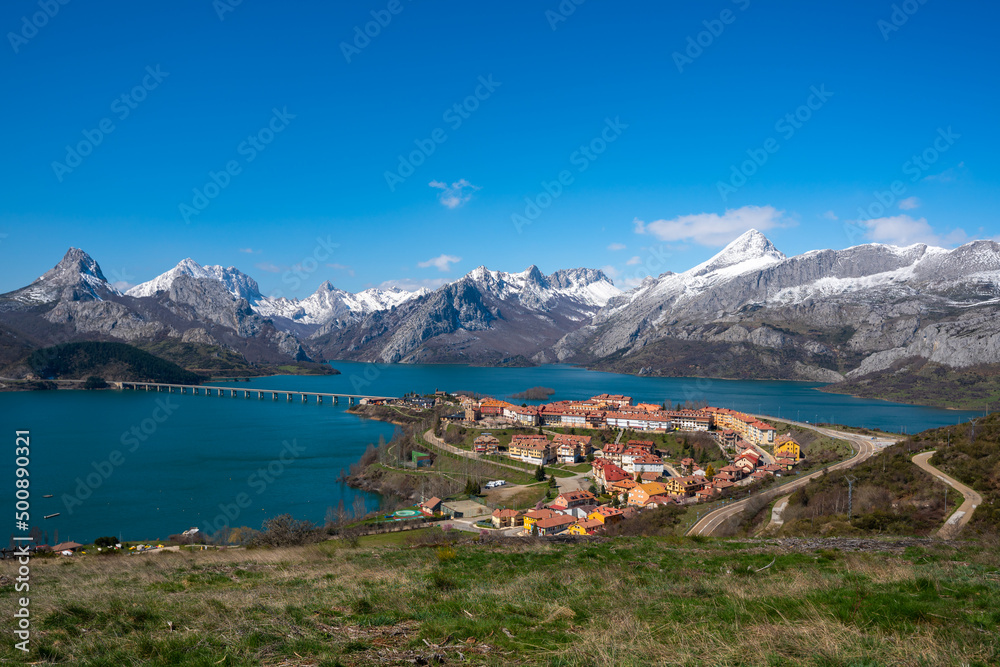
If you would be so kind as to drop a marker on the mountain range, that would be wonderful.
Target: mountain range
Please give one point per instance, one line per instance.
(839, 316)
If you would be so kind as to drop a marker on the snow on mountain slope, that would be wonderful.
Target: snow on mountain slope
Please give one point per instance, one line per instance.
(325, 305)
(238, 283)
(588, 287)
(77, 273)
(329, 303)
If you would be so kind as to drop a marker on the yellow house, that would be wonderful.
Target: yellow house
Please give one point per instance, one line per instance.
(534, 516)
(787, 448)
(606, 515)
(585, 527)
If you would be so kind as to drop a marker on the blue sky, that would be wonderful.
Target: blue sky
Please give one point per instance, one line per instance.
(648, 115)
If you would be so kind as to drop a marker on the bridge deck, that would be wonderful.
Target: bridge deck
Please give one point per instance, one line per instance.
(137, 385)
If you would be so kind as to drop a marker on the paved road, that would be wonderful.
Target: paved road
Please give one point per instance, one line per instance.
(953, 526)
(711, 522)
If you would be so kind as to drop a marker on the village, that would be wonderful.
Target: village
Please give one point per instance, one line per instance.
(624, 476)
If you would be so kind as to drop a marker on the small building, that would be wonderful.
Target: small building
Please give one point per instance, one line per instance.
(431, 507)
(530, 518)
(506, 518)
(569, 499)
(607, 515)
(555, 524)
(641, 493)
(585, 527)
(787, 448)
(420, 458)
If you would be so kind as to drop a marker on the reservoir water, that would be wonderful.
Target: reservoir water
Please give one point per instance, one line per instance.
(145, 465)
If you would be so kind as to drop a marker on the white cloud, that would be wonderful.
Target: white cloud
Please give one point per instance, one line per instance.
(250, 251)
(441, 262)
(610, 271)
(948, 175)
(712, 229)
(122, 285)
(903, 230)
(456, 194)
(617, 246)
(411, 285)
(269, 267)
(830, 215)
(342, 267)
(909, 203)
(635, 260)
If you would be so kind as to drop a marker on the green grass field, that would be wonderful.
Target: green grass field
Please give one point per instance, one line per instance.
(629, 601)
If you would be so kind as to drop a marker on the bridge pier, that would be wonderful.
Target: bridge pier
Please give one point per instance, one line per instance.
(350, 400)
(334, 400)
(305, 398)
(289, 395)
(319, 399)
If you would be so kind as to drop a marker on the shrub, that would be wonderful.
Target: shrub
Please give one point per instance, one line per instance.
(283, 531)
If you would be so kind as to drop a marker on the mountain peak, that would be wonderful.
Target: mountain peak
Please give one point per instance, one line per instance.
(77, 261)
(751, 248)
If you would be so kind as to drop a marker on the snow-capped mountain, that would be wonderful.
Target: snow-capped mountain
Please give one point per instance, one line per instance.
(328, 304)
(818, 315)
(484, 317)
(76, 277)
(588, 287)
(238, 283)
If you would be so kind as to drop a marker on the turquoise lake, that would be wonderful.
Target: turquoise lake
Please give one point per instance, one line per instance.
(196, 456)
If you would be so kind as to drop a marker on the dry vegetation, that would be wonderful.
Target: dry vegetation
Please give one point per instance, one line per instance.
(627, 601)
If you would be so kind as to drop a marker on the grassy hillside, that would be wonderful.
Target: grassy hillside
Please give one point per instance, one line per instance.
(891, 496)
(112, 361)
(629, 601)
(974, 461)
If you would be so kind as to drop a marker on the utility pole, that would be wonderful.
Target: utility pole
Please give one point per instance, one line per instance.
(850, 495)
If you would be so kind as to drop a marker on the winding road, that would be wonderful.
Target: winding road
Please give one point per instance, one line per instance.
(711, 522)
(954, 525)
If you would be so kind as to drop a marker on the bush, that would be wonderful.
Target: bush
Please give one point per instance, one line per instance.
(284, 531)
(106, 542)
(95, 382)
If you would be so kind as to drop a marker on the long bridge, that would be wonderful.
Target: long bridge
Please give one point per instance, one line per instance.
(247, 392)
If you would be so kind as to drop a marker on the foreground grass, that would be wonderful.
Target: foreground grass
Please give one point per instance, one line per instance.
(630, 601)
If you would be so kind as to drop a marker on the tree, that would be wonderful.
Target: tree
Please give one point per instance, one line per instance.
(283, 530)
(95, 382)
(710, 471)
(472, 487)
(106, 544)
(540, 473)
